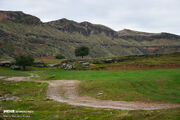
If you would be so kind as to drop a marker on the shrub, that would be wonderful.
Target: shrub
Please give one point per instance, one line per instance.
(82, 51)
(24, 60)
(60, 56)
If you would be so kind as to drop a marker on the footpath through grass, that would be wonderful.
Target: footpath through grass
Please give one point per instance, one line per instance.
(131, 85)
(32, 96)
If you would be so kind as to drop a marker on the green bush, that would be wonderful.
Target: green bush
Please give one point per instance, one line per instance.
(24, 60)
(82, 51)
(60, 56)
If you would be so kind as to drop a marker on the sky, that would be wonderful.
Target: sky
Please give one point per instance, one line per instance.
(141, 15)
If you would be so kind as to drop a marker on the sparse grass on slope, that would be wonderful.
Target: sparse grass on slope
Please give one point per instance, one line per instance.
(43, 40)
(143, 62)
(49, 60)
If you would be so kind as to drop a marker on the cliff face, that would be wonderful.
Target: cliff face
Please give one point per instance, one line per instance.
(84, 28)
(19, 17)
(23, 33)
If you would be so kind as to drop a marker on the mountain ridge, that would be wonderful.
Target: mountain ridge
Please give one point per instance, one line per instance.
(21, 13)
(20, 32)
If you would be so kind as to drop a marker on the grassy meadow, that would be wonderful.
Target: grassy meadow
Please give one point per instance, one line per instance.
(9, 72)
(32, 96)
(160, 85)
(128, 85)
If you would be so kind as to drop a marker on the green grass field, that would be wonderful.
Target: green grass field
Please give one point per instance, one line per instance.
(153, 85)
(130, 85)
(9, 72)
(31, 96)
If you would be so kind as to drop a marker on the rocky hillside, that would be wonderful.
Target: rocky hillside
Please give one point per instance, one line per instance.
(23, 33)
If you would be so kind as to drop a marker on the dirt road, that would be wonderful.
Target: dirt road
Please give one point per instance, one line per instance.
(66, 91)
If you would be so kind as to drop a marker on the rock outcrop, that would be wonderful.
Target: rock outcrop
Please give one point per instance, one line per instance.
(6, 63)
(84, 28)
(19, 17)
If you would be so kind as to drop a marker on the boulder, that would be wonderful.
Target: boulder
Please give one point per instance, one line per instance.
(108, 60)
(53, 65)
(86, 64)
(97, 61)
(15, 67)
(67, 66)
(6, 63)
(39, 64)
(81, 61)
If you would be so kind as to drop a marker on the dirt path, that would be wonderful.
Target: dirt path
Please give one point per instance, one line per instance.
(1, 77)
(66, 91)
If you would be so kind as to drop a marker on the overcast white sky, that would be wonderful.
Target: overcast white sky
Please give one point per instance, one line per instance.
(141, 15)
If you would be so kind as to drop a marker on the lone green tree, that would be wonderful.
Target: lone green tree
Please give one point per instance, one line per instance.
(24, 60)
(82, 51)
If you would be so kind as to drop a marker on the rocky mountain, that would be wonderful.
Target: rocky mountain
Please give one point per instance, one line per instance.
(84, 28)
(23, 33)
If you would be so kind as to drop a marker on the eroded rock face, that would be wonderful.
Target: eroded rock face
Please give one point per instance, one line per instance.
(19, 17)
